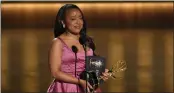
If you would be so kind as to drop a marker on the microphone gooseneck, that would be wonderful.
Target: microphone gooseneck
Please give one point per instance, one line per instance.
(82, 41)
(74, 49)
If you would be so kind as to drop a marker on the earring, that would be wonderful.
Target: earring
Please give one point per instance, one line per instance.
(63, 25)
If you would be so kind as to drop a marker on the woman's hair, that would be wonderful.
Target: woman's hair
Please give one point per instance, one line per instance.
(59, 29)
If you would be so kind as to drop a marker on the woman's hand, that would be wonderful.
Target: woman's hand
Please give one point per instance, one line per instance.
(105, 75)
(83, 85)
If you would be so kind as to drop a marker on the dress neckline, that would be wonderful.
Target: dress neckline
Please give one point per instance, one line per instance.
(70, 48)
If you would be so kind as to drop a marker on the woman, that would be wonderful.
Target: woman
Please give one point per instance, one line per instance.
(69, 26)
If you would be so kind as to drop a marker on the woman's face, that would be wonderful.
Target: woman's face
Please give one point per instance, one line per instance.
(73, 21)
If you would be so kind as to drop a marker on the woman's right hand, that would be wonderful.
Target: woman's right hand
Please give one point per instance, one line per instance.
(83, 85)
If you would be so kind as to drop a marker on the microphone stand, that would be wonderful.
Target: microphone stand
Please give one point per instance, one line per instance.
(83, 42)
(85, 64)
(75, 68)
(85, 49)
(74, 49)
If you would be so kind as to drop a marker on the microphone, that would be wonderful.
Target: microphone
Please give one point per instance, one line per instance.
(74, 49)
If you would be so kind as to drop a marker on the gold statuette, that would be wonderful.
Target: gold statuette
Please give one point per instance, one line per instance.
(118, 68)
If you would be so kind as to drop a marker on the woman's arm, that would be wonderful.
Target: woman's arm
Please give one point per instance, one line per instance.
(55, 55)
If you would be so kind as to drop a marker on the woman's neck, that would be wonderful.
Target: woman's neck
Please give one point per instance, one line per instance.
(71, 35)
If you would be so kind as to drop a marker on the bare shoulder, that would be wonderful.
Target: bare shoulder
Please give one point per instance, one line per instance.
(56, 43)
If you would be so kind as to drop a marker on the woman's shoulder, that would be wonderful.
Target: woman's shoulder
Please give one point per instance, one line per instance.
(56, 42)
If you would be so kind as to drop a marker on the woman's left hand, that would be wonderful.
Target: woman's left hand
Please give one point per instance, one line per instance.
(105, 75)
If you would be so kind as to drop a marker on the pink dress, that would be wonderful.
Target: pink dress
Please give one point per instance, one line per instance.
(68, 66)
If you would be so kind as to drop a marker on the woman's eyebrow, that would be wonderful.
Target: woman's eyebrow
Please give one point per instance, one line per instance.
(75, 16)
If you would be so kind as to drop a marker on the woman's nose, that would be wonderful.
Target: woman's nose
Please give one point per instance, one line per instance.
(79, 21)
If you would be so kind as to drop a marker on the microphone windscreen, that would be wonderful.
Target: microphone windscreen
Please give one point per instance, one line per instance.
(74, 49)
